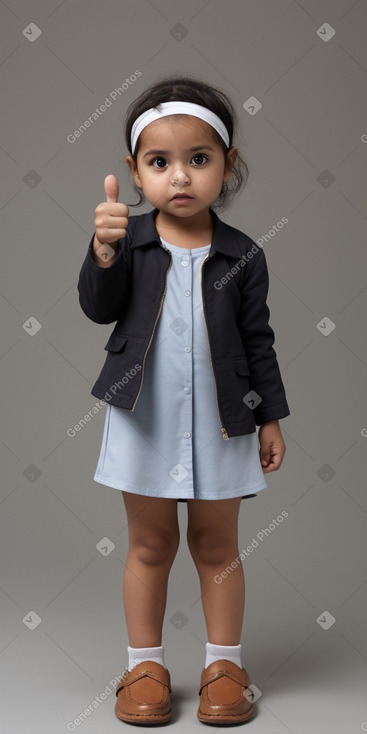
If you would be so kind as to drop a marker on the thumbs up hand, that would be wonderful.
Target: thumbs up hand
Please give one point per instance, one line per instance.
(111, 218)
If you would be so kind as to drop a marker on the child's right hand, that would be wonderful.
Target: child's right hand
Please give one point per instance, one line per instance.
(111, 217)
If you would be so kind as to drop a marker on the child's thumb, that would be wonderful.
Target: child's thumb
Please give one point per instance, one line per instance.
(111, 188)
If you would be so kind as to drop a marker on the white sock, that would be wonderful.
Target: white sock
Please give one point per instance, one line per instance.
(138, 654)
(220, 652)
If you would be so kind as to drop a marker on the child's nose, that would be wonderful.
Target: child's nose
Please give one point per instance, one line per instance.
(179, 178)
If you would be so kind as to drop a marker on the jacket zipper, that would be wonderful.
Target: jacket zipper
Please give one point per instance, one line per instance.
(224, 432)
(154, 327)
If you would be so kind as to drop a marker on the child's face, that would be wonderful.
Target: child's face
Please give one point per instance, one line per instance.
(165, 156)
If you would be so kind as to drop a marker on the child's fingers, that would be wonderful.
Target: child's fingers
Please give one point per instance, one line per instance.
(108, 209)
(110, 236)
(109, 229)
(108, 221)
(111, 216)
(271, 459)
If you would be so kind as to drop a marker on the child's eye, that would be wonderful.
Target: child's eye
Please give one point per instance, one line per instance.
(159, 158)
(199, 155)
(199, 158)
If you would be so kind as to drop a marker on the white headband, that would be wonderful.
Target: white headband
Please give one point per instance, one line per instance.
(177, 108)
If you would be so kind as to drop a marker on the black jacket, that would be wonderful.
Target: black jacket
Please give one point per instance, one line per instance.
(234, 287)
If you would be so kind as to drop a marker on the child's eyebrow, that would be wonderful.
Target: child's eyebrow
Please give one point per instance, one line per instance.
(189, 150)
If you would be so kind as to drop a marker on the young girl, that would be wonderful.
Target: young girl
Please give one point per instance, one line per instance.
(190, 372)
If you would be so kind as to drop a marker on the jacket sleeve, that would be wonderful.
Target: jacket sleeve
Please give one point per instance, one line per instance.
(258, 339)
(105, 292)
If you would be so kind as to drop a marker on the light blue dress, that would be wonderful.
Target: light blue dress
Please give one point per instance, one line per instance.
(171, 445)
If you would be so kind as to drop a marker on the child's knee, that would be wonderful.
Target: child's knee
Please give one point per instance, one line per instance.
(156, 548)
(210, 548)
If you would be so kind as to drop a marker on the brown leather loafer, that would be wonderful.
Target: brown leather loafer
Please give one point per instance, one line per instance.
(222, 694)
(143, 694)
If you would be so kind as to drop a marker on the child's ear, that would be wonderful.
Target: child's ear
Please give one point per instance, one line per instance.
(230, 161)
(134, 170)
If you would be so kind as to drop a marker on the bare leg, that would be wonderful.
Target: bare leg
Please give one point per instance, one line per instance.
(153, 542)
(212, 536)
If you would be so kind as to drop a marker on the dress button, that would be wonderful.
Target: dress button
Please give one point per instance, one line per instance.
(184, 263)
(187, 390)
(187, 293)
(187, 434)
(187, 349)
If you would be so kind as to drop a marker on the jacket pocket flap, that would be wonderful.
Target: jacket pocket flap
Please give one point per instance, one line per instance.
(241, 366)
(116, 342)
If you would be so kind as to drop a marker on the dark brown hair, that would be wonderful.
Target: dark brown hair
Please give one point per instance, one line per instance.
(190, 89)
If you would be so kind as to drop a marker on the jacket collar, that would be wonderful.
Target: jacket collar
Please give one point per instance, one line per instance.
(226, 239)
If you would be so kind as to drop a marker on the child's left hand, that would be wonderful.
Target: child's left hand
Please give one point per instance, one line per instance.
(272, 446)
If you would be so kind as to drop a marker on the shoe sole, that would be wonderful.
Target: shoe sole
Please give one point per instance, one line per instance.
(144, 718)
(228, 719)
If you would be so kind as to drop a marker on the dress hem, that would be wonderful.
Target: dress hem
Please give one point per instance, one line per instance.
(108, 483)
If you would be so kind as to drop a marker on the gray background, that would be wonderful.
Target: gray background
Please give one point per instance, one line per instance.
(313, 120)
